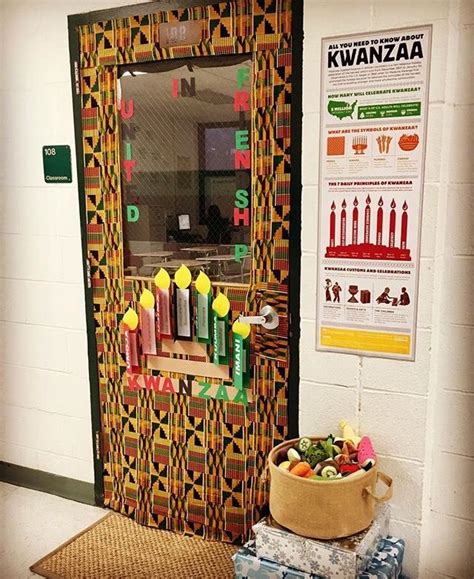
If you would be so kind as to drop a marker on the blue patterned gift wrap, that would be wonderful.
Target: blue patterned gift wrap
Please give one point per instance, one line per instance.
(387, 560)
(386, 563)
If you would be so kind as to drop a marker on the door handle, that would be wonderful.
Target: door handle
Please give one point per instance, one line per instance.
(267, 318)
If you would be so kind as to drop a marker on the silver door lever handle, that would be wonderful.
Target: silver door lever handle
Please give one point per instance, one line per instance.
(268, 318)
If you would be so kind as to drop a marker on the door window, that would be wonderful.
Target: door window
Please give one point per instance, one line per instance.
(186, 166)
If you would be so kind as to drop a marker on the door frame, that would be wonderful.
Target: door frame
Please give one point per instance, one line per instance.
(294, 286)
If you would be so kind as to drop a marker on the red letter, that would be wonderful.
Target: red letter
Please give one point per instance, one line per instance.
(168, 386)
(241, 101)
(175, 88)
(128, 166)
(242, 159)
(133, 382)
(127, 114)
(241, 215)
(152, 382)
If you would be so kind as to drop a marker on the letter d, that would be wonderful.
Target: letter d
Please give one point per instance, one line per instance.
(133, 213)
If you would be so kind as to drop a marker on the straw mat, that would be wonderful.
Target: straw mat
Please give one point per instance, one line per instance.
(118, 548)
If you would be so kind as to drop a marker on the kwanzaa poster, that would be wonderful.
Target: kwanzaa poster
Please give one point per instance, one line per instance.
(374, 107)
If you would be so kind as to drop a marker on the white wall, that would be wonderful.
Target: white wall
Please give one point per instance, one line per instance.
(44, 385)
(417, 413)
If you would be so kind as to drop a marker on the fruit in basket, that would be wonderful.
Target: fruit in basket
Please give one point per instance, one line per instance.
(408, 142)
(293, 454)
(285, 465)
(329, 472)
(301, 469)
(366, 454)
(346, 469)
(348, 434)
(282, 456)
(304, 444)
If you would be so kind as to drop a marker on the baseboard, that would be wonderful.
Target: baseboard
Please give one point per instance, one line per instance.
(61, 486)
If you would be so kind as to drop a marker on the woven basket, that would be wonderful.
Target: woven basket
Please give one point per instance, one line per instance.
(320, 509)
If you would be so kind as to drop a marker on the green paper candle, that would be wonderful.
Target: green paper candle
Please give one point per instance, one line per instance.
(220, 323)
(241, 354)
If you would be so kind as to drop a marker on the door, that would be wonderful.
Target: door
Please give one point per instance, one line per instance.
(186, 136)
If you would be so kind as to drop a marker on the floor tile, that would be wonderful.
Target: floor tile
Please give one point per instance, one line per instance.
(34, 524)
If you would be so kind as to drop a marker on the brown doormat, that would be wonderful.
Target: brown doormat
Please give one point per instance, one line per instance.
(118, 548)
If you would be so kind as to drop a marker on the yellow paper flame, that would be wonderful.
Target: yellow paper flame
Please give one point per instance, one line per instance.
(162, 279)
(241, 329)
(203, 284)
(183, 277)
(147, 300)
(130, 319)
(221, 305)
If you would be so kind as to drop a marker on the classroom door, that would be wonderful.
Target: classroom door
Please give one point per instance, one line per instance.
(186, 136)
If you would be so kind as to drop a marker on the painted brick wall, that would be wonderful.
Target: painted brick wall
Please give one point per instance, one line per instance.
(417, 413)
(44, 384)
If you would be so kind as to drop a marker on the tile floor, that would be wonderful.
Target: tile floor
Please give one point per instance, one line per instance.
(32, 524)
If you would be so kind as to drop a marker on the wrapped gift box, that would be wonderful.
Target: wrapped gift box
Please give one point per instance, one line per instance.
(339, 558)
(387, 560)
(385, 564)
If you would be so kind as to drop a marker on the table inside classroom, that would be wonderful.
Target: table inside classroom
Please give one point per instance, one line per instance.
(205, 249)
(219, 260)
(177, 263)
(222, 257)
(163, 254)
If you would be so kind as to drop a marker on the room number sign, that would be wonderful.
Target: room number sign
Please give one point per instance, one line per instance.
(57, 164)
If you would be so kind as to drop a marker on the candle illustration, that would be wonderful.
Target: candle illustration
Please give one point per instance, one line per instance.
(241, 354)
(343, 223)
(380, 222)
(163, 305)
(204, 298)
(147, 322)
(355, 222)
(403, 239)
(221, 307)
(129, 324)
(393, 222)
(182, 301)
(332, 226)
(367, 220)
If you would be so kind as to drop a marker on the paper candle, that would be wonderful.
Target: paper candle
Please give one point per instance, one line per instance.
(379, 222)
(182, 302)
(204, 297)
(130, 323)
(355, 223)
(241, 354)
(147, 322)
(392, 224)
(163, 305)
(343, 223)
(220, 318)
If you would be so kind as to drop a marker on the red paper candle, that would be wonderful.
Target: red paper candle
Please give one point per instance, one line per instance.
(367, 220)
(379, 222)
(403, 239)
(355, 223)
(332, 226)
(343, 223)
(393, 222)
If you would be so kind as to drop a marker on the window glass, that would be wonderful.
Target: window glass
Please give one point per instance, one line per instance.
(185, 157)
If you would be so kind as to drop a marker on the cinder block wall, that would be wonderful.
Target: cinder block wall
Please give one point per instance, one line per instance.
(417, 413)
